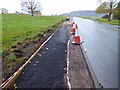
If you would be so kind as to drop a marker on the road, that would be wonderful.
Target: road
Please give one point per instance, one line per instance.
(46, 70)
(101, 44)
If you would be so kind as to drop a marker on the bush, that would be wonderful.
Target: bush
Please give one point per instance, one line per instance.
(11, 58)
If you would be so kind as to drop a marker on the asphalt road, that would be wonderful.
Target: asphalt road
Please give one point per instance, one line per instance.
(47, 68)
(101, 44)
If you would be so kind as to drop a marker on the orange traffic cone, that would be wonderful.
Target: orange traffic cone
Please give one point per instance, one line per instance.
(75, 26)
(76, 38)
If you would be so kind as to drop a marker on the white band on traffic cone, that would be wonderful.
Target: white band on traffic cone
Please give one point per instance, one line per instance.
(76, 38)
(74, 28)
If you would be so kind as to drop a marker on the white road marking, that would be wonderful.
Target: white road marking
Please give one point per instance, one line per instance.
(68, 81)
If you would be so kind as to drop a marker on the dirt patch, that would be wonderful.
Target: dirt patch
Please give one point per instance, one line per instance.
(22, 51)
(78, 71)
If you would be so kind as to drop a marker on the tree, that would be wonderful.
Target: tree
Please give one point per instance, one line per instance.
(30, 6)
(3, 11)
(101, 8)
(107, 7)
(117, 11)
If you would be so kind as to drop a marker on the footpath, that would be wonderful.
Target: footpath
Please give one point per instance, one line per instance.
(46, 69)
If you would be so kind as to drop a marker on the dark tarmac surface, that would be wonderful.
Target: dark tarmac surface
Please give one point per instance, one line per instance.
(46, 70)
(101, 44)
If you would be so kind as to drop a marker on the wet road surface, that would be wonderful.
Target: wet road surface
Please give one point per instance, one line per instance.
(101, 43)
(46, 70)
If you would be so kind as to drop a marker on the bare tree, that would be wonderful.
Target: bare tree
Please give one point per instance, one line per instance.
(3, 11)
(107, 6)
(30, 6)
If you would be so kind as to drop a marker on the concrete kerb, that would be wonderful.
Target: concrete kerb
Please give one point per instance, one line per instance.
(94, 78)
(13, 77)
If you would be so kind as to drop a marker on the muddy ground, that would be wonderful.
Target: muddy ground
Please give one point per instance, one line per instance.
(21, 52)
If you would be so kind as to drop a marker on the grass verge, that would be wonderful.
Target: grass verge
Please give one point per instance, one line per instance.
(112, 22)
(16, 28)
(103, 20)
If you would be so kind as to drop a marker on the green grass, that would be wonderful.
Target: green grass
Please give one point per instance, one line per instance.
(18, 27)
(11, 58)
(113, 22)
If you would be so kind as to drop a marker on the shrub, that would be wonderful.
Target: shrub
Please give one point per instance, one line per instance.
(11, 58)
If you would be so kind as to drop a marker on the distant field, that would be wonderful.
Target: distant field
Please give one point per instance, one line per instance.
(88, 17)
(18, 27)
(112, 22)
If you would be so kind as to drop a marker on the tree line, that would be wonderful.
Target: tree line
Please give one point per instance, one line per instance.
(30, 6)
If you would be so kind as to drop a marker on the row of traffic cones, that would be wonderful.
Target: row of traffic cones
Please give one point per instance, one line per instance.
(75, 31)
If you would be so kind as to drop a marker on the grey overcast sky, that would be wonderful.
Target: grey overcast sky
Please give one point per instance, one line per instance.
(52, 7)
